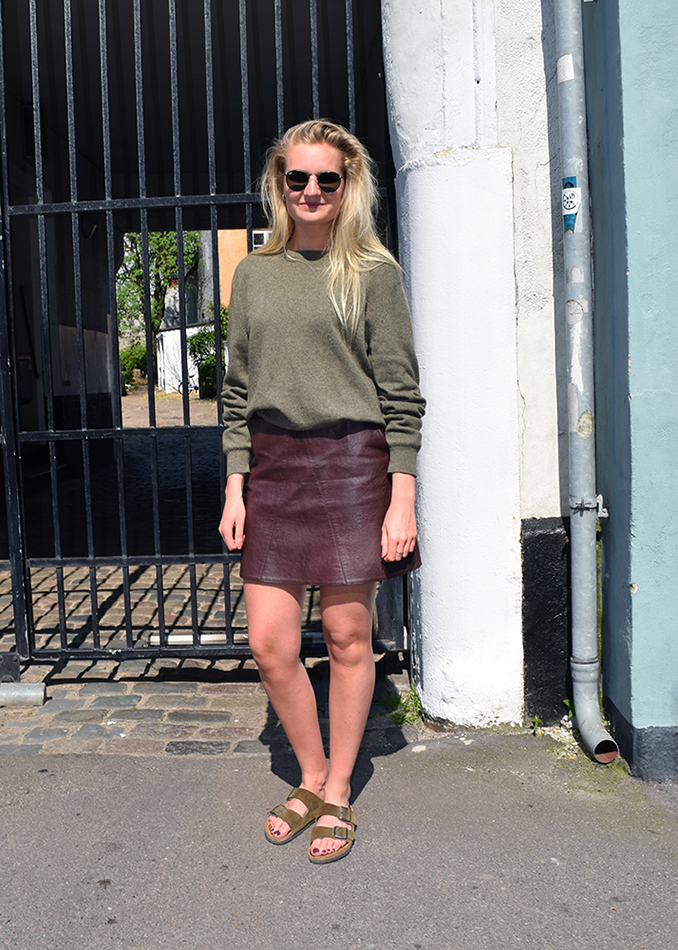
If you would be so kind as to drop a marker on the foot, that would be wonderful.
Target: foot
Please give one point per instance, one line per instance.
(322, 846)
(277, 827)
(325, 850)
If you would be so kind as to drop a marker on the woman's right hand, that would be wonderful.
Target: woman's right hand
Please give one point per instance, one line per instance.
(232, 524)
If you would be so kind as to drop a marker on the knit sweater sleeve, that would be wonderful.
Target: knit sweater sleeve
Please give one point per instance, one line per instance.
(236, 437)
(390, 346)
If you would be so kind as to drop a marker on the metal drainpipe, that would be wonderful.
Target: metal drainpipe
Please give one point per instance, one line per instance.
(585, 505)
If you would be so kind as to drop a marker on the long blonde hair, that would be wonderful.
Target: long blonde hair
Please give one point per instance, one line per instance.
(354, 246)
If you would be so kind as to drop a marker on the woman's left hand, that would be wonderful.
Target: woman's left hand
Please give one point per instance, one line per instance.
(399, 530)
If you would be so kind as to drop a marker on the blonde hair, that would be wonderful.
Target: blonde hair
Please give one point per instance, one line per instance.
(354, 246)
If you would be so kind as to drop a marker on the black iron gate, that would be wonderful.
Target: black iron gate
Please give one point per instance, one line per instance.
(131, 132)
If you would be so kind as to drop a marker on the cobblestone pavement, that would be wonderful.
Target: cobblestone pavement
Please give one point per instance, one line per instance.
(173, 707)
(211, 606)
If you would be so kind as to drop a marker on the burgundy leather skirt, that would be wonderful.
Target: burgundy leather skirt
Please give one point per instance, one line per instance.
(315, 503)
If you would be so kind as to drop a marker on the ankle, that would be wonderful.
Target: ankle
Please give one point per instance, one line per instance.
(337, 793)
(315, 782)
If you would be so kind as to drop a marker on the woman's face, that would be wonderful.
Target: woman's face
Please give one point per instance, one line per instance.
(312, 207)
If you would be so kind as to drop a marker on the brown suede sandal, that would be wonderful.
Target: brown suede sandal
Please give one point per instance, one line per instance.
(347, 835)
(296, 821)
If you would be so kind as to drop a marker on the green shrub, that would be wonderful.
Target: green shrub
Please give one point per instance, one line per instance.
(131, 358)
(202, 347)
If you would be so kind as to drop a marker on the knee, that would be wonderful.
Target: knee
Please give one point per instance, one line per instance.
(271, 656)
(348, 645)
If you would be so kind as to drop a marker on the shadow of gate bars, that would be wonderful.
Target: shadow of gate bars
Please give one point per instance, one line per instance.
(133, 127)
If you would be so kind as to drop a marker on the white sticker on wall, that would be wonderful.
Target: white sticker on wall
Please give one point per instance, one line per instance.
(565, 67)
(575, 275)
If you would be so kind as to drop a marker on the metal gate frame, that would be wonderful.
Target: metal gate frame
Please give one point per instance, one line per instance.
(391, 634)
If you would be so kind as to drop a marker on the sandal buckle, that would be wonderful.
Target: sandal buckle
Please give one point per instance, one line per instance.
(341, 833)
(344, 812)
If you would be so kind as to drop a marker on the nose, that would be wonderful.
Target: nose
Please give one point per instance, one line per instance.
(312, 186)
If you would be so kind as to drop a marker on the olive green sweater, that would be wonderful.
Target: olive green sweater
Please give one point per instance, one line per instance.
(290, 360)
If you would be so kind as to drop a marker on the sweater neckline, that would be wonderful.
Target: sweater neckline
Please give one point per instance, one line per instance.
(308, 256)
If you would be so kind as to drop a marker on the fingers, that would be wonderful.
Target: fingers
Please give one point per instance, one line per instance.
(395, 548)
(232, 527)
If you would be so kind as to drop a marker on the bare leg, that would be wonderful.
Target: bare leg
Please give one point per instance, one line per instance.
(347, 625)
(274, 631)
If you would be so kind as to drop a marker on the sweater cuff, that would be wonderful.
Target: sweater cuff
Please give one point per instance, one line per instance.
(403, 459)
(238, 460)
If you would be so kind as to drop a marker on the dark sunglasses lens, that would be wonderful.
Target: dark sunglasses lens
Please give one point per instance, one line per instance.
(297, 181)
(329, 181)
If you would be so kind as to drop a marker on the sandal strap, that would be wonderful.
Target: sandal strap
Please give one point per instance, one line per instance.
(306, 796)
(293, 818)
(342, 812)
(339, 832)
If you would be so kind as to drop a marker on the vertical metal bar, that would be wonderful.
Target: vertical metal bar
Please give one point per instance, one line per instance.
(40, 197)
(44, 302)
(105, 105)
(214, 233)
(188, 460)
(35, 89)
(139, 91)
(280, 103)
(61, 601)
(116, 393)
(244, 89)
(178, 215)
(313, 13)
(70, 107)
(209, 96)
(79, 324)
(350, 66)
(8, 422)
(141, 164)
(174, 81)
(181, 276)
(117, 422)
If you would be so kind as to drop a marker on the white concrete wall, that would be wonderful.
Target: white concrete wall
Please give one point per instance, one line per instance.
(527, 123)
(454, 186)
(169, 361)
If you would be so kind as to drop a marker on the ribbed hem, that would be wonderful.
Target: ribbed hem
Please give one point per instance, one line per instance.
(403, 459)
(237, 461)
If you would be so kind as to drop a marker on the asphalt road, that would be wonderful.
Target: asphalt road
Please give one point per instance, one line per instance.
(473, 840)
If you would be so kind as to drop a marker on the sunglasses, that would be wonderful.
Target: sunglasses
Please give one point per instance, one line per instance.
(326, 181)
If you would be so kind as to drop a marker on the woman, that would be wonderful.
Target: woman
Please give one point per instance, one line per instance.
(322, 390)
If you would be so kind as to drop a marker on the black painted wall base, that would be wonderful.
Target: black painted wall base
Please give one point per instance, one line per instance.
(546, 617)
(652, 753)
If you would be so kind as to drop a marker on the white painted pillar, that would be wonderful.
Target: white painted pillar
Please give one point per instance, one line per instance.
(454, 188)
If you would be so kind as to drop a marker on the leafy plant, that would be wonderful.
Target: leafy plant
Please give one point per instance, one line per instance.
(569, 705)
(203, 348)
(535, 723)
(203, 345)
(405, 706)
(131, 358)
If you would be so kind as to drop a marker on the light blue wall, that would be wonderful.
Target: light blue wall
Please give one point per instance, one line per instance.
(632, 90)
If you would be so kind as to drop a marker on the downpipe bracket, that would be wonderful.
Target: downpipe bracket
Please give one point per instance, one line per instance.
(589, 504)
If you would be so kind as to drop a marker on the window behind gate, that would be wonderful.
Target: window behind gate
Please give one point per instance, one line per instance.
(132, 135)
